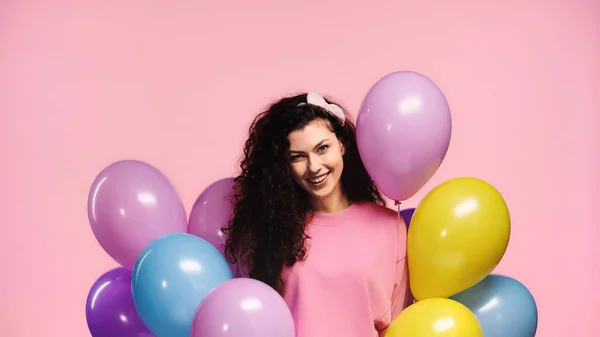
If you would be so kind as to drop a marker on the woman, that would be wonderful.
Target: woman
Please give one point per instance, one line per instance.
(309, 221)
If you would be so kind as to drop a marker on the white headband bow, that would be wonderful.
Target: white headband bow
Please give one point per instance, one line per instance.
(313, 98)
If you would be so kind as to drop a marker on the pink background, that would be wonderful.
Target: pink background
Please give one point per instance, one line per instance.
(175, 83)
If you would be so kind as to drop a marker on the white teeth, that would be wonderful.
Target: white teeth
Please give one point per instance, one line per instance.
(318, 179)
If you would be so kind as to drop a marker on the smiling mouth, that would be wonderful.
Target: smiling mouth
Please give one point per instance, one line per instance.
(319, 179)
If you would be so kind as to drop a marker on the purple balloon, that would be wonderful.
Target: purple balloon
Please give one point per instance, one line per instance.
(110, 310)
(403, 132)
(243, 307)
(211, 212)
(130, 204)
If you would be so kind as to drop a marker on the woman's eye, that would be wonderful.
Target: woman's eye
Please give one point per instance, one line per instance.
(295, 157)
(323, 148)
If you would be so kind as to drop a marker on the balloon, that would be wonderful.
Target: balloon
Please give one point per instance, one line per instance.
(503, 306)
(403, 132)
(109, 308)
(406, 215)
(243, 307)
(211, 212)
(170, 279)
(458, 234)
(130, 204)
(435, 317)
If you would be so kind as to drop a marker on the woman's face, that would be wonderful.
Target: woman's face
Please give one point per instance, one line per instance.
(316, 159)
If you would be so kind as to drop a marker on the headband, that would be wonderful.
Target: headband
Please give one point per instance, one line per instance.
(313, 98)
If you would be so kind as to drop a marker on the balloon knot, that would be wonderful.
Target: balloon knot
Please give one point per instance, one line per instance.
(397, 203)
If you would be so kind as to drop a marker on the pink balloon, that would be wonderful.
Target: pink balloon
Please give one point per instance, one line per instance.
(243, 307)
(211, 212)
(403, 132)
(130, 204)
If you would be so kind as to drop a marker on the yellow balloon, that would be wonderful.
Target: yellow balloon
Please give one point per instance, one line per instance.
(458, 234)
(435, 317)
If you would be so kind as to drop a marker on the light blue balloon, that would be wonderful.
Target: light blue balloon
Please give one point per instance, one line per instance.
(503, 306)
(171, 277)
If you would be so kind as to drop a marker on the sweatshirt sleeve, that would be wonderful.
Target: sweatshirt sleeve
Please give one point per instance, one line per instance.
(400, 297)
(401, 288)
(400, 291)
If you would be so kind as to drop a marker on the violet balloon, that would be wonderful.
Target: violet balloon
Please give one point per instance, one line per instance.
(130, 204)
(243, 307)
(110, 310)
(211, 212)
(403, 132)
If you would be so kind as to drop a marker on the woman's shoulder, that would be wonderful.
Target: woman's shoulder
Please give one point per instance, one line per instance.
(388, 222)
(377, 210)
(384, 215)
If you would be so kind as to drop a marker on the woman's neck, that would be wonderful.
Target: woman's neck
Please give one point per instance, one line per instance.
(337, 201)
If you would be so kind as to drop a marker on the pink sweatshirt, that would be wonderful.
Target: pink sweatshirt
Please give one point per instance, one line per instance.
(354, 280)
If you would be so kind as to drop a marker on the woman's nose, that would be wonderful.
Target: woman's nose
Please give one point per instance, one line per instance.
(314, 164)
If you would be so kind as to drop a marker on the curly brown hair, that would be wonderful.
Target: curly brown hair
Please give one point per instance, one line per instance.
(267, 229)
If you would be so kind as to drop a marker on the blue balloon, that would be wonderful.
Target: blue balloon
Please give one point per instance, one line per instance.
(503, 306)
(171, 277)
(407, 215)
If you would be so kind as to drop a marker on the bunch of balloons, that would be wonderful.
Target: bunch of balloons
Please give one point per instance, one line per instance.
(458, 233)
(174, 280)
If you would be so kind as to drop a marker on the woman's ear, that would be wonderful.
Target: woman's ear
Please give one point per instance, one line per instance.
(342, 148)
